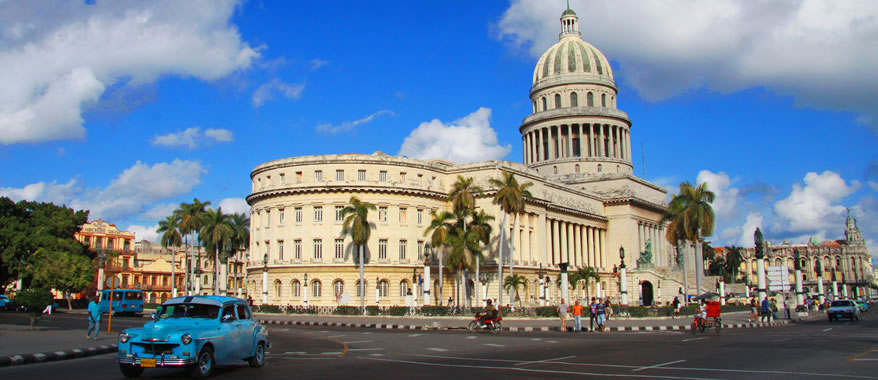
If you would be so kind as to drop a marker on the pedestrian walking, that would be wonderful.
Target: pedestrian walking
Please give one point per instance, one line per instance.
(577, 316)
(774, 308)
(608, 309)
(766, 309)
(676, 304)
(94, 320)
(592, 313)
(562, 313)
(601, 311)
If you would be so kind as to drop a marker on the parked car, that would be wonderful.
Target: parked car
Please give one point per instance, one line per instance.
(125, 301)
(843, 309)
(863, 305)
(5, 302)
(195, 332)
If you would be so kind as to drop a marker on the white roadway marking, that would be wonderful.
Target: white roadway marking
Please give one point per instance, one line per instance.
(330, 353)
(495, 345)
(657, 365)
(325, 331)
(366, 349)
(414, 335)
(367, 333)
(471, 337)
(544, 360)
(691, 339)
(825, 330)
(376, 354)
(781, 340)
(696, 369)
(358, 341)
(536, 338)
(437, 349)
(551, 341)
(335, 336)
(537, 370)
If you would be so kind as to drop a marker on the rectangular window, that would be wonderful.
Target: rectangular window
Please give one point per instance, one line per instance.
(280, 216)
(318, 175)
(267, 218)
(298, 215)
(297, 249)
(318, 214)
(283, 179)
(382, 214)
(420, 250)
(280, 250)
(382, 249)
(339, 175)
(402, 244)
(318, 249)
(299, 177)
(402, 214)
(402, 177)
(338, 213)
(420, 216)
(382, 176)
(432, 181)
(339, 249)
(420, 179)
(361, 175)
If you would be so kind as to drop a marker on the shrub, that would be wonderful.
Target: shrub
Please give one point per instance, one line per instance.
(34, 301)
(432, 311)
(396, 311)
(347, 310)
(268, 308)
(373, 310)
(547, 311)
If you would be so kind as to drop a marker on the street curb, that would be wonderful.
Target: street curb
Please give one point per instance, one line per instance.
(510, 329)
(39, 357)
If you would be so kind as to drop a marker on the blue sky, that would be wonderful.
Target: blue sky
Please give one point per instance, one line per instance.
(128, 108)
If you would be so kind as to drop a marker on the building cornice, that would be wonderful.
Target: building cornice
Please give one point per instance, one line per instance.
(574, 112)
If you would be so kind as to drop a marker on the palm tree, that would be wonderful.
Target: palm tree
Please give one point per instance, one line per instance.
(675, 234)
(510, 196)
(734, 259)
(463, 201)
(356, 224)
(465, 251)
(512, 283)
(694, 212)
(240, 240)
(585, 275)
(171, 238)
(216, 230)
(439, 228)
(191, 220)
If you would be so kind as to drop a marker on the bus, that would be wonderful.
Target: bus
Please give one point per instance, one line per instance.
(125, 301)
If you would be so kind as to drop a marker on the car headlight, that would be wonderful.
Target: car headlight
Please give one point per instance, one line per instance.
(186, 338)
(123, 337)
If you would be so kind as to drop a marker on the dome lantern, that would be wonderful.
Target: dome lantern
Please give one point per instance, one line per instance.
(569, 23)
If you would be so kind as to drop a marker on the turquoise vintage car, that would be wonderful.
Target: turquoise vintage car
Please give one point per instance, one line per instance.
(194, 332)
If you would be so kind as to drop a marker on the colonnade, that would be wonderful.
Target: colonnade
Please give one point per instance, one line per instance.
(654, 233)
(577, 244)
(566, 140)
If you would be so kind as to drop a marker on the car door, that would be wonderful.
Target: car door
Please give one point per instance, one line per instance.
(247, 327)
(228, 347)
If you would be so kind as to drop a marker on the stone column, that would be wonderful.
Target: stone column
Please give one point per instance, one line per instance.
(571, 246)
(603, 235)
(800, 294)
(590, 151)
(600, 141)
(820, 290)
(639, 236)
(264, 287)
(563, 241)
(537, 145)
(623, 284)
(427, 285)
(834, 290)
(583, 149)
(516, 244)
(722, 292)
(569, 140)
(556, 251)
(761, 283)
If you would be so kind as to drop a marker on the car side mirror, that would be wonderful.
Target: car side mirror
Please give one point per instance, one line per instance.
(227, 318)
(152, 316)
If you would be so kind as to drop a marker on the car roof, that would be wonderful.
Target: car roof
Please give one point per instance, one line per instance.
(204, 300)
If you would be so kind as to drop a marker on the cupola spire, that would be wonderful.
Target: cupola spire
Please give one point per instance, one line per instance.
(569, 23)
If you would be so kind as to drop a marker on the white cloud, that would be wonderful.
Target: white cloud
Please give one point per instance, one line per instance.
(267, 91)
(349, 125)
(726, 197)
(317, 63)
(811, 49)
(873, 185)
(234, 205)
(145, 232)
(469, 139)
(160, 212)
(814, 207)
(192, 137)
(58, 60)
(134, 189)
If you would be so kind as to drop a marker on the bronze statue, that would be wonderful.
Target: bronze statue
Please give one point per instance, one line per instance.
(760, 242)
(645, 259)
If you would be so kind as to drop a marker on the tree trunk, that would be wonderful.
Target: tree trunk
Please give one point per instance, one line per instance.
(699, 263)
(216, 277)
(362, 282)
(67, 296)
(186, 268)
(500, 261)
(685, 274)
(512, 248)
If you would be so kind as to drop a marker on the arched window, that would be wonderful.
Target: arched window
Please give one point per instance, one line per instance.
(403, 288)
(589, 98)
(297, 289)
(574, 100)
(778, 262)
(338, 287)
(576, 168)
(617, 168)
(383, 288)
(838, 262)
(277, 288)
(544, 104)
(557, 100)
(360, 289)
(316, 289)
(603, 100)
(555, 169)
(599, 168)
(164, 297)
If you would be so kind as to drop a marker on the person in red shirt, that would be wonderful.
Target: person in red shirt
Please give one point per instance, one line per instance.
(577, 316)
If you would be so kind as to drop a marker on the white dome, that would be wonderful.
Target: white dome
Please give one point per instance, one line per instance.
(572, 55)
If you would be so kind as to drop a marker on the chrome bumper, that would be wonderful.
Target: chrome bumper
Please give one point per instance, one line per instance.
(159, 362)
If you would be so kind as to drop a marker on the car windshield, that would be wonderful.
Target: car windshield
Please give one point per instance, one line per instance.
(134, 296)
(841, 303)
(188, 310)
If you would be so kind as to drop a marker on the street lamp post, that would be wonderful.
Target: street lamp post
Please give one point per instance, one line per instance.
(564, 284)
(623, 277)
(542, 293)
(305, 294)
(412, 289)
(483, 278)
(377, 290)
(265, 279)
(427, 284)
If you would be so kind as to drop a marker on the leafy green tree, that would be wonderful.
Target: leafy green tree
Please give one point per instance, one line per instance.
(734, 259)
(356, 224)
(240, 238)
(583, 276)
(465, 251)
(191, 221)
(63, 271)
(34, 301)
(511, 197)
(440, 227)
(463, 201)
(513, 283)
(215, 232)
(171, 238)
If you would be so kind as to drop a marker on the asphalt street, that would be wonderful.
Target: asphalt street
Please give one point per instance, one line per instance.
(816, 350)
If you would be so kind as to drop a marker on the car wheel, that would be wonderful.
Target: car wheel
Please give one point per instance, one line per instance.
(131, 370)
(204, 366)
(830, 319)
(258, 359)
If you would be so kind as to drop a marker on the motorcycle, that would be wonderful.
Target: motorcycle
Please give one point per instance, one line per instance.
(493, 325)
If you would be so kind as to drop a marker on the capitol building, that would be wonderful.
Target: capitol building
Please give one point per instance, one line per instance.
(587, 205)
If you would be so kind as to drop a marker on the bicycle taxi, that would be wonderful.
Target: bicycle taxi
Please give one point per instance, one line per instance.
(713, 318)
